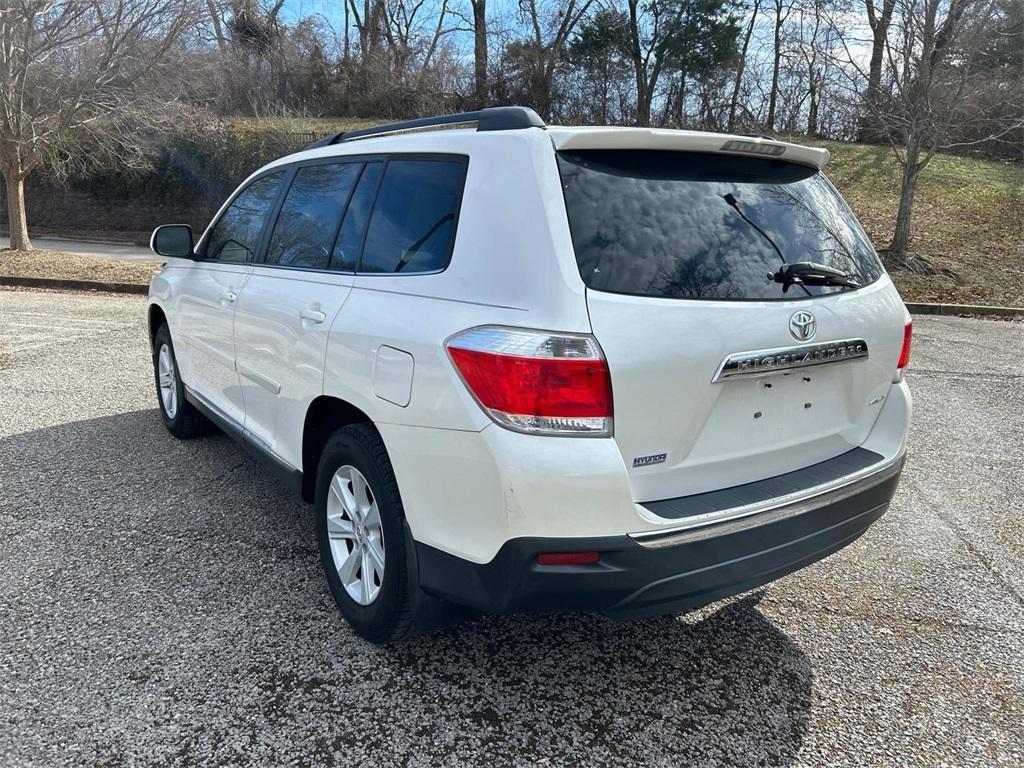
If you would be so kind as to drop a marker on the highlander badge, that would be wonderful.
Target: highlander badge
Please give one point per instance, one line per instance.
(767, 361)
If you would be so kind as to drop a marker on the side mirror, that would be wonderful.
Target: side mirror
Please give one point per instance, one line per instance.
(173, 241)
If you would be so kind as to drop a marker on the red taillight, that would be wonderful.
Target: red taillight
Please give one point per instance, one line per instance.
(908, 333)
(537, 387)
(534, 381)
(568, 558)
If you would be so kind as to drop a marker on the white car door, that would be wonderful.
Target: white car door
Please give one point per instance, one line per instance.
(207, 294)
(296, 290)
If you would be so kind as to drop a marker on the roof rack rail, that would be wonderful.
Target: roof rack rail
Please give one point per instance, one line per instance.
(489, 119)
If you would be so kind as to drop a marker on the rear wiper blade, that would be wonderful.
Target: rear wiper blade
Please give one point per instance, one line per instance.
(809, 273)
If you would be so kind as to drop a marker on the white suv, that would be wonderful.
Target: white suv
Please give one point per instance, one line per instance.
(520, 367)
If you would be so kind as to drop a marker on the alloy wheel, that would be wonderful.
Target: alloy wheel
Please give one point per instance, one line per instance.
(168, 381)
(356, 535)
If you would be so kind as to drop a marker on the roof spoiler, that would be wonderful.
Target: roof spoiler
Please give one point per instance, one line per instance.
(489, 119)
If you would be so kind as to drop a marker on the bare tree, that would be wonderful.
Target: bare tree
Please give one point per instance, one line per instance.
(782, 11)
(369, 23)
(215, 11)
(550, 26)
(741, 65)
(412, 34)
(77, 80)
(878, 20)
(930, 102)
(812, 43)
(679, 36)
(480, 89)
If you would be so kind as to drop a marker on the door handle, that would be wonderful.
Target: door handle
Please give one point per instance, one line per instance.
(228, 297)
(313, 315)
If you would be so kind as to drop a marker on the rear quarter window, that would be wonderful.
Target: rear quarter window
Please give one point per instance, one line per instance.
(706, 226)
(412, 227)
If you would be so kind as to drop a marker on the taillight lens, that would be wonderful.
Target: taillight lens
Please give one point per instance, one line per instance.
(908, 333)
(536, 382)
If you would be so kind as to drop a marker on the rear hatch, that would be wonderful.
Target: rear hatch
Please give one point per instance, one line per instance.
(721, 377)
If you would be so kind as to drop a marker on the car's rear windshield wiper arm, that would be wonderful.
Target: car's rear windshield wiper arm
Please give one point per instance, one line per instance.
(809, 273)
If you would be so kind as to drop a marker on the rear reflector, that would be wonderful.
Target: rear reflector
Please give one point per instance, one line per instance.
(908, 333)
(536, 382)
(568, 558)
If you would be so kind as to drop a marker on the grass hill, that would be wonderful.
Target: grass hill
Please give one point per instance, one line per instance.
(968, 215)
(968, 221)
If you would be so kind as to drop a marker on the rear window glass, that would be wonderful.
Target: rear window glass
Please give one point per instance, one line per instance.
(412, 227)
(706, 226)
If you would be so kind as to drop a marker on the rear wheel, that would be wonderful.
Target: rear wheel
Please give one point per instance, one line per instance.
(179, 415)
(360, 531)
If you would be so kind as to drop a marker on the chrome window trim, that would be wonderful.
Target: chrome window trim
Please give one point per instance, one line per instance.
(344, 273)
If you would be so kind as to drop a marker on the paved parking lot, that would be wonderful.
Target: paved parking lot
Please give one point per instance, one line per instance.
(162, 602)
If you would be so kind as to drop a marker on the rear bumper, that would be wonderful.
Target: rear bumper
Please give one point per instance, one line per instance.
(689, 569)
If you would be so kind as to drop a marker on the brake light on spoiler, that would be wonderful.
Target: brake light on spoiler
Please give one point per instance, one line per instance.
(754, 148)
(535, 381)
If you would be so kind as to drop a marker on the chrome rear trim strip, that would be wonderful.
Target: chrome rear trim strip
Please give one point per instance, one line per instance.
(796, 503)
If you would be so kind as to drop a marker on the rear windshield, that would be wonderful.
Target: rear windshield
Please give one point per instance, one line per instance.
(704, 226)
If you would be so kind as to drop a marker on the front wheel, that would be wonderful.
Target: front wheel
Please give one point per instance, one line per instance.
(360, 531)
(179, 415)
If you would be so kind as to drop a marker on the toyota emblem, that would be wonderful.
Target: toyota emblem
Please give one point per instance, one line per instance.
(803, 325)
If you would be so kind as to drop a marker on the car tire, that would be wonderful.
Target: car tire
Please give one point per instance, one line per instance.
(361, 534)
(180, 417)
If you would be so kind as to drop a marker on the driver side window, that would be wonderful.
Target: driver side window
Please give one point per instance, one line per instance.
(236, 236)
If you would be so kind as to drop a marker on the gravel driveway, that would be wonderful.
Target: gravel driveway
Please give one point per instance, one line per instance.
(161, 602)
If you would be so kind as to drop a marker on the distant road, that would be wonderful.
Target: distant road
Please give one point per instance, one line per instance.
(108, 250)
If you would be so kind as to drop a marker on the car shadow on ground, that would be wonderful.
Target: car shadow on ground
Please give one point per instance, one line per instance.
(722, 684)
(152, 515)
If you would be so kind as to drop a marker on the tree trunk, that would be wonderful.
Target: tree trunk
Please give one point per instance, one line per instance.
(681, 108)
(911, 171)
(643, 99)
(812, 111)
(16, 221)
(218, 28)
(643, 110)
(879, 31)
(741, 67)
(541, 87)
(605, 91)
(345, 55)
(480, 89)
(773, 97)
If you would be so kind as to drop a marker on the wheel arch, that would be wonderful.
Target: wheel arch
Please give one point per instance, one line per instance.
(325, 415)
(157, 317)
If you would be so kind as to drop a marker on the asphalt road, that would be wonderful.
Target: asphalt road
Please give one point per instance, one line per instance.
(109, 250)
(162, 602)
